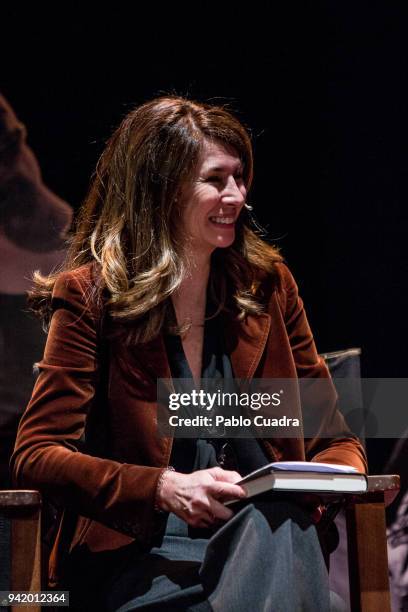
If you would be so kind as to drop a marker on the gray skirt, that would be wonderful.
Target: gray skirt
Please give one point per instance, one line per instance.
(266, 557)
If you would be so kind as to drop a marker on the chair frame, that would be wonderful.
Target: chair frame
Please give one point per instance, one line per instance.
(366, 535)
(23, 509)
(367, 544)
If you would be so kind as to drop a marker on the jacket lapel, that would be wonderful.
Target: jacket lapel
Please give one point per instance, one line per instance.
(245, 342)
(154, 359)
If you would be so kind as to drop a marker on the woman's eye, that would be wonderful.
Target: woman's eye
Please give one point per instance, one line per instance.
(213, 179)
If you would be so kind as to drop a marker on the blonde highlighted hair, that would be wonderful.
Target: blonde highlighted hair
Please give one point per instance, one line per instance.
(129, 224)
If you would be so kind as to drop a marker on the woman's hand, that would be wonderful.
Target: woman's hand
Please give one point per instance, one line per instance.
(198, 498)
(312, 503)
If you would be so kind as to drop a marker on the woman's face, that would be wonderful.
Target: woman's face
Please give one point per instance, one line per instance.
(213, 201)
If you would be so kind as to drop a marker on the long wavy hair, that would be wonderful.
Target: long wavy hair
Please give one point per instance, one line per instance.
(129, 224)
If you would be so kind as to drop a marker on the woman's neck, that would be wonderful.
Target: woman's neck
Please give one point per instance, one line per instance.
(189, 299)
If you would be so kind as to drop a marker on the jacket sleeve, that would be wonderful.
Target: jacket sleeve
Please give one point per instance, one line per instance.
(47, 455)
(332, 440)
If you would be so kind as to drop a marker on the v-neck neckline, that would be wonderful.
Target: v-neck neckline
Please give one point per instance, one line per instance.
(178, 362)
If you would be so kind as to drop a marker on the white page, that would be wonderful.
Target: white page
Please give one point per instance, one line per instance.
(314, 466)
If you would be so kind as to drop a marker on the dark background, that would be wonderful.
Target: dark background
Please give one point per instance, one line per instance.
(323, 88)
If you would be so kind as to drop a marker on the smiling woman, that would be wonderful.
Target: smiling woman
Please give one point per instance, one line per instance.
(214, 200)
(166, 278)
(170, 166)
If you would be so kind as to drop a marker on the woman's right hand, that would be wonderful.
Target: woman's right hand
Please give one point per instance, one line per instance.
(198, 498)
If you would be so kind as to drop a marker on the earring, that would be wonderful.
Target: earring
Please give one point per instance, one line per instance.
(248, 206)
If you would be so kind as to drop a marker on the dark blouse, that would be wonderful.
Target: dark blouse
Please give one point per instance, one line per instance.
(189, 454)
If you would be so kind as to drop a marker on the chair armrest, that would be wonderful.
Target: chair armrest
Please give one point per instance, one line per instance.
(389, 485)
(14, 499)
(382, 488)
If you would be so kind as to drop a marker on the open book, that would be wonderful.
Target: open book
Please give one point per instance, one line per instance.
(304, 476)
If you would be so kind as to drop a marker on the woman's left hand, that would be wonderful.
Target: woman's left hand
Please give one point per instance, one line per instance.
(313, 505)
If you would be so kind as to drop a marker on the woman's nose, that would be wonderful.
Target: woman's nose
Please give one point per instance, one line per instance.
(233, 193)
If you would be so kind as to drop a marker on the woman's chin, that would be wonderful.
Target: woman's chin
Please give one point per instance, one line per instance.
(224, 240)
(210, 244)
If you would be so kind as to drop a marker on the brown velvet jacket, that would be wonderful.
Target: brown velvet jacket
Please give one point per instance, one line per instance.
(88, 437)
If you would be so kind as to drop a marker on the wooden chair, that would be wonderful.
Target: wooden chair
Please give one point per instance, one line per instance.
(366, 534)
(367, 544)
